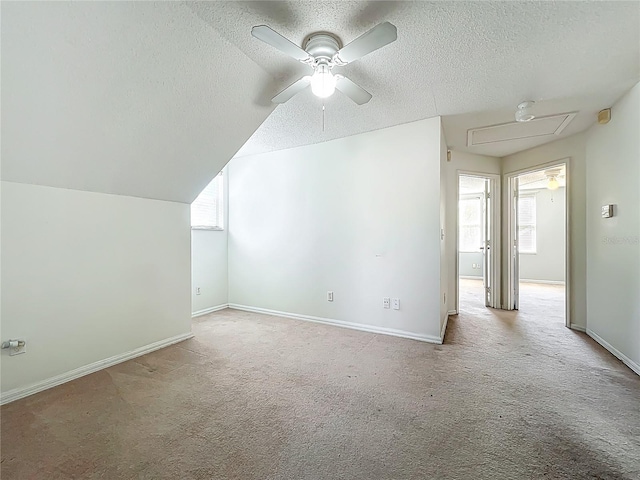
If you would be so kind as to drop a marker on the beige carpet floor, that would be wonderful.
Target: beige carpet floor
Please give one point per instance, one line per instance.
(508, 396)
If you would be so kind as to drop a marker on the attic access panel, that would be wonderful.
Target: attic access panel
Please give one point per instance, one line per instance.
(538, 127)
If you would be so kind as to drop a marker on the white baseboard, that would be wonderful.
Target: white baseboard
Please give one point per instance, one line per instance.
(340, 323)
(472, 277)
(22, 392)
(452, 312)
(199, 313)
(579, 328)
(545, 282)
(443, 331)
(621, 356)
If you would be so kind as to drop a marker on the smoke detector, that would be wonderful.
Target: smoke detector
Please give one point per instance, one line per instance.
(523, 113)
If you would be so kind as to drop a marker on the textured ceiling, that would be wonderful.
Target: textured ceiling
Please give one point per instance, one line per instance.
(450, 59)
(131, 98)
(151, 99)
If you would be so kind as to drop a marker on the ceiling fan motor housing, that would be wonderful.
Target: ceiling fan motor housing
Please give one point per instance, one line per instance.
(322, 46)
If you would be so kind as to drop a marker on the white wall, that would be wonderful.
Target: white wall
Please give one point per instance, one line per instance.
(613, 244)
(209, 265)
(466, 162)
(548, 261)
(359, 216)
(466, 261)
(573, 149)
(86, 276)
(209, 270)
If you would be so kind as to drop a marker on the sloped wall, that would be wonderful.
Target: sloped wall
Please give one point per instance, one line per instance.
(133, 98)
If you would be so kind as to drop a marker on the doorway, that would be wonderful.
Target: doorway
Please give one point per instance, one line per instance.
(537, 266)
(478, 241)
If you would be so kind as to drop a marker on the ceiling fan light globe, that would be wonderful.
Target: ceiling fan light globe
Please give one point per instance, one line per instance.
(323, 83)
(553, 183)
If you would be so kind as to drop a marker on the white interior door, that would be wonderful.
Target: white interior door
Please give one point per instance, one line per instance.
(487, 270)
(515, 278)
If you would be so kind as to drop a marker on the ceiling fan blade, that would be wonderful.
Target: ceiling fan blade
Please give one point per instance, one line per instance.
(376, 38)
(353, 91)
(291, 90)
(273, 38)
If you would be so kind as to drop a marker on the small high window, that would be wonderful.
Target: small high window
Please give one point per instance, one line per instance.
(207, 211)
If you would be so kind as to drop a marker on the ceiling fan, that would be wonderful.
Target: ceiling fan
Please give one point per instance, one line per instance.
(322, 51)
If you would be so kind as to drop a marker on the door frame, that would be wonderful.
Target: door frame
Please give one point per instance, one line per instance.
(509, 294)
(495, 235)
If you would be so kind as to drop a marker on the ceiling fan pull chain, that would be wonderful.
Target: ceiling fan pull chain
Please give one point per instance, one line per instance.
(323, 116)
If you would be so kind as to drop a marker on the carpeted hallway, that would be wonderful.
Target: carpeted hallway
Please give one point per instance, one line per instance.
(544, 301)
(509, 396)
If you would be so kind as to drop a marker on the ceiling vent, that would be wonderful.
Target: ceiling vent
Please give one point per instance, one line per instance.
(538, 127)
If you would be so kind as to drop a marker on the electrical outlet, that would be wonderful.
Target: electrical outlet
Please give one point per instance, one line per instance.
(386, 302)
(19, 349)
(329, 296)
(396, 304)
(197, 290)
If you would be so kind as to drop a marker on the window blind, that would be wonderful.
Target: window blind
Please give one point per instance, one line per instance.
(470, 220)
(527, 223)
(207, 209)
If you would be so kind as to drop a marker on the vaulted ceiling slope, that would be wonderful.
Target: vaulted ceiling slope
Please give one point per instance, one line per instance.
(450, 58)
(132, 98)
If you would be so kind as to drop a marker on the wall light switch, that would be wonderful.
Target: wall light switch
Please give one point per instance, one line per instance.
(197, 290)
(396, 303)
(607, 211)
(329, 296)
